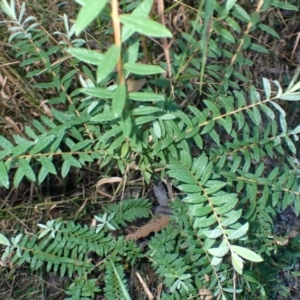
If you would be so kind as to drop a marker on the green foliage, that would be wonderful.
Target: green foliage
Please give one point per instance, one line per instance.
(129, 211)
(82, 289)
(112, 276)
(232, 187)
(65, 248)
(178, 257)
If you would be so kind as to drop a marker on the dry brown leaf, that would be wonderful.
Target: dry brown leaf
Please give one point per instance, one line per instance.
(293, 233)
(15, 126)
(282, 241)
(135, 85)
(46, 109)
(108, 180)
(206, 277)
(145, 287)
(159, 290)
(152, 226)
(205, 294)
(105, 181)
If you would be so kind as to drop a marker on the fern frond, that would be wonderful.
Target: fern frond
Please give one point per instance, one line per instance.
(113, 288)
(129, 210)
(62, 247)
(81, 287)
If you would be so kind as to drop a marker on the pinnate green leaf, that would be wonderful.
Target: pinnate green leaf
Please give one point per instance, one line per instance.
(89, 11)
(182, 174)
(229, 4)
(26, 169)
(108, 63)
(231, 217)
(22, 148)
(269, 30)
(65, 168)
(194, 198)
(213, 234)
(198, 210)
(199, 165)
(267, 87)
(237, 262)
(213, 186)
(81, 145)
(8, 10)
(246, 253)
(240, 13)
(145, 110)
(284, 5)
(143, 69)
(41, 143)
(142, 11)
(3, 240)
(121, 283)
(126, 123)
(203, 222)
(71, 160)
(226, 34)
(226, 207)
(6, 144)
(239, 232)
(141, 96)
(48, 164)
(98, 92)
(290, 145)
(119, 100)
(167, 117)
(18, 177)
(259, 48)
(108, 116)
(145, 26)
(290, 97)
(157, 129)
(42, 175)
(86, 55)
(219, 252)
(4, 180)
(221, 198)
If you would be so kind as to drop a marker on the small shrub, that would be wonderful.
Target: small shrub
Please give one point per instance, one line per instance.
(227, 147)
